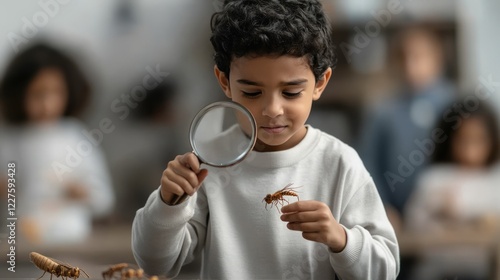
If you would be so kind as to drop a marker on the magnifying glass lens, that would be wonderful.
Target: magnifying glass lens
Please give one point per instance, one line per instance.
(222, 135)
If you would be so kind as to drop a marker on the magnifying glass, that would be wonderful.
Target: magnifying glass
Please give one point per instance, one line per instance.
(222, 134)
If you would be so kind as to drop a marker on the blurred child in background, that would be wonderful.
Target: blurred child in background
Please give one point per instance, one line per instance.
(390, 130)
(460, 189)
(61, 176)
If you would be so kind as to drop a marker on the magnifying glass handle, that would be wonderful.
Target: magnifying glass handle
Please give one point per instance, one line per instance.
(178, 199)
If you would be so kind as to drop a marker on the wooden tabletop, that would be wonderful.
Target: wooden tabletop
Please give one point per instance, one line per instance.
(417, 243)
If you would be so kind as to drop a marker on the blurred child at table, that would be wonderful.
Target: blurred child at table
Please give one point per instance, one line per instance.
(61, 177)
(461, 187)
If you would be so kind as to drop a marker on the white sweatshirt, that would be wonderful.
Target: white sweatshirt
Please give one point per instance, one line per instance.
(227, 222)
(48, 157)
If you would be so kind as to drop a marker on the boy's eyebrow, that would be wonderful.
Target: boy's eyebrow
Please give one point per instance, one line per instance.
(289, 83)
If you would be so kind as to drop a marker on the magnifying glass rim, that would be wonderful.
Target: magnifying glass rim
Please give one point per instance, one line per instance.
(223, 104)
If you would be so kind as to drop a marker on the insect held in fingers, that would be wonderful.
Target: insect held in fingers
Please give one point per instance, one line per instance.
(279, 196)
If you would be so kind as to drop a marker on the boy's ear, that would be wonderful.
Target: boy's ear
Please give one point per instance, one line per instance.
(322, 83)
(223, 81)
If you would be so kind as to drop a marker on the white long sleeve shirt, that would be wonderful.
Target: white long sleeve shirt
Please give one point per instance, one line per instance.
(227, 222)
(48, 157)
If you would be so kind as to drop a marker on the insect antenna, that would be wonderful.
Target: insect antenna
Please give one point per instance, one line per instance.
(84, 273)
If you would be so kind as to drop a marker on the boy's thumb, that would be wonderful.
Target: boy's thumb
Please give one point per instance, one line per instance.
(202, 175)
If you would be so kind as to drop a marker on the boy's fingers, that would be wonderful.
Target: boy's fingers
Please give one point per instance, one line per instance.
(304, 227)
(191, 161)
(182, 175)
(300, 206)
(202, 175)
(174, 180)
(186, 173)
(307, 216)
(169, 187)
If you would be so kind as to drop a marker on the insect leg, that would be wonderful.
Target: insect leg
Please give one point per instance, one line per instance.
(276, 204)
(287, 202)
(279, 201)
(43, 275)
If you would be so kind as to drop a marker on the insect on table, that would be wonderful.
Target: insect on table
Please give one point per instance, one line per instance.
(125, 271)
(279, 196)
(108, 274)
(55, 267)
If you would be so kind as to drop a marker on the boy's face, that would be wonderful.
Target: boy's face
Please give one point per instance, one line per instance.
(279, 92)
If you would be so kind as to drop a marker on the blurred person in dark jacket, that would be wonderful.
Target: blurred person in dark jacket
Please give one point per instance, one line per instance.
(396, 133)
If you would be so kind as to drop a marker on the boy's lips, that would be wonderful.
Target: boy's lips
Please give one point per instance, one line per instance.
(274, 128)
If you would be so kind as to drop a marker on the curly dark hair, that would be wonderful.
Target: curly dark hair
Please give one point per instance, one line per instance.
(273, 27)
(452, 122)
(24, 68)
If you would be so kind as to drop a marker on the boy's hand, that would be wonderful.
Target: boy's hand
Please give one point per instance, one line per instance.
(315, 220)
(183, 175)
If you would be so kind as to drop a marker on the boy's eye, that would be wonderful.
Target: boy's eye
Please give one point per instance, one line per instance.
(251, 94)
(292, 94)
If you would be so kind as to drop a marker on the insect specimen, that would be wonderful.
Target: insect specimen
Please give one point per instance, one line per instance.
(125, 271)
(55, 267)
(132, 273)
(108, 274)
(279, 196)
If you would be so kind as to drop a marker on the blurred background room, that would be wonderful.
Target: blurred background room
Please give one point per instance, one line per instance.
(416, 92)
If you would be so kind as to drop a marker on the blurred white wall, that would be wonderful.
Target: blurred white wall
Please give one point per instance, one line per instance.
(174, 34)
(480, 45)
(477, 23)
(117, 39)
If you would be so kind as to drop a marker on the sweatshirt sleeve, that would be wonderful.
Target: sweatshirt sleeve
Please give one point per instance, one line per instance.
(166, 237)
(371, 251)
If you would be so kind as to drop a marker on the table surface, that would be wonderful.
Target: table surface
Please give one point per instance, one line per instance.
(106, 246)
(414, 244)
(111, 244)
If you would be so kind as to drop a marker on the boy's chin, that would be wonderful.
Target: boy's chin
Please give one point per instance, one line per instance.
(269, 144)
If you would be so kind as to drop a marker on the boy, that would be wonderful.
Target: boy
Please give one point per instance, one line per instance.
(275, 58)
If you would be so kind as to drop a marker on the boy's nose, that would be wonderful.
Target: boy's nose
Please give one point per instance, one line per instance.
(273, 107)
